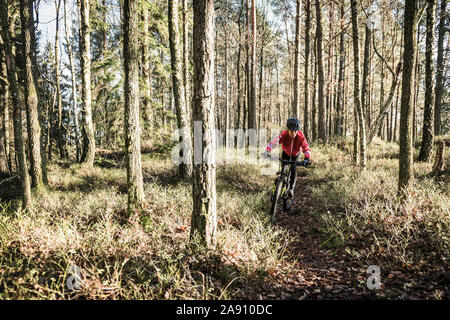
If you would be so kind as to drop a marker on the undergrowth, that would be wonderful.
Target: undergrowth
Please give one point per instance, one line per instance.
(80, 221)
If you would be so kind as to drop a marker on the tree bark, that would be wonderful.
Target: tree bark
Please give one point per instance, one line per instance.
(185, 169)
(5, 105)
(227, 93)
(440, 70)
(438, 166)
(377, 124)
(86, 97)
(428, 112)
(364, 88)
(132, 128)
(409, 54)
(186, 80)
(252, 105)
(31, 97)
(146, 74)
(314, 68)
(74, 88)
(356, 96)
(306, 125)
(322, 130)
(60, 129)
(340, 95)
(204, 216)
(238, 71)
(296, 85)
(17, 105)
(330, 79)
(247, 65)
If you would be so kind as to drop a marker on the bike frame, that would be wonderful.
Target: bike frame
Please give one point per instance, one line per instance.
(279, 192)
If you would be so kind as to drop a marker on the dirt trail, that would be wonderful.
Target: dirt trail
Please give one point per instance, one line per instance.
(320, 273)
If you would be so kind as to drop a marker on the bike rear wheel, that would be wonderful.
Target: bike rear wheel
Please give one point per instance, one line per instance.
(275, 197)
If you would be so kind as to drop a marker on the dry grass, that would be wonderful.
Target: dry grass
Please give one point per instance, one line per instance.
(80, 221)
(363, 213)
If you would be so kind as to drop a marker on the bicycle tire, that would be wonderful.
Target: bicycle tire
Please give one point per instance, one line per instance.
(287, 202)
(277, 192)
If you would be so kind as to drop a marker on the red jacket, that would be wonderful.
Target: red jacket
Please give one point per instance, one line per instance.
(291, 145)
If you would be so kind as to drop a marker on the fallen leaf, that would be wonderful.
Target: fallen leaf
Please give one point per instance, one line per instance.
(180, 229)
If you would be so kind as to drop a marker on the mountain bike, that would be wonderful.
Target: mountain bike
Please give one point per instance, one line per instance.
(282, 183)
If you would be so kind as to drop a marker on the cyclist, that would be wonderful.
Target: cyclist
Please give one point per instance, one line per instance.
(291, 141)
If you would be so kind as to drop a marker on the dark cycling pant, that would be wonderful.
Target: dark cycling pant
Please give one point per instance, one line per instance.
(293, 168)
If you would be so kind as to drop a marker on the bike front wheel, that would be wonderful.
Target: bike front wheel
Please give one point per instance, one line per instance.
(275, 197)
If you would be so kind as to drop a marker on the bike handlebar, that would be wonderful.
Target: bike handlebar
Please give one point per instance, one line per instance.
(297, 163)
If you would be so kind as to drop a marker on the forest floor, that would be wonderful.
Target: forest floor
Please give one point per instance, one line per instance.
(321, 272)
(342, 222)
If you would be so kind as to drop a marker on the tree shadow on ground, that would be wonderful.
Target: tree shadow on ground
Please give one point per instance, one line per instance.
(165, 178)
(232, 178)
(92, 183)
(326, 269)
(183, 274)
(10, 187)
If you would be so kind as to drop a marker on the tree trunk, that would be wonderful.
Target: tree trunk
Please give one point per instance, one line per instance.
(5, 105)
(438, 166)
(314, 95)
(346, 91)
(5, 166)
(409, 54)
(74, 87)
(132, 130)
(227, 93)
(278, 95)
(356, 96)
(238, 66)
(377, 124)
(364, 88)
(60, 138)
(415, 93)
(204, 216)
(340, 95)
(186, 80)
(428, 112)
(17, 104)
(322, 130)
(329, 90)
(146, 75)
(306, 124)
(88, 124)
(440, 70)
(185, 169)
(380, 132)
(296, 85)
(252, 105)
(31, 98)
(247, 66)
(260, 91)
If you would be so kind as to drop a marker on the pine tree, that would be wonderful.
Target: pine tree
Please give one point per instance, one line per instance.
(185, 169)
(132, 129)
(17, 105)
(31, 96)
(428, 112)
(88, 153)
(409, 54)
(204, 216)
